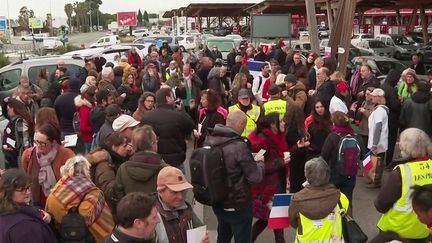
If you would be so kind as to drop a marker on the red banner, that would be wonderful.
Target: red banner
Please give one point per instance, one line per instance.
(127, 19)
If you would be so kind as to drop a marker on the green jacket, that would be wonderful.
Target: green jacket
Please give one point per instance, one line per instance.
(403, 90)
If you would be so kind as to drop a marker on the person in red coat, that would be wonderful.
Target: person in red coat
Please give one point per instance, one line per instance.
(84, 103)
(134, 58)
(270, 136)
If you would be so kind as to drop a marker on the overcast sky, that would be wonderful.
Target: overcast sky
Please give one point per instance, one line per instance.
(42, 7)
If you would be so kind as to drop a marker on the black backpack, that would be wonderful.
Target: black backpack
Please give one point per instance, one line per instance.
(73, 227)
(209, 176)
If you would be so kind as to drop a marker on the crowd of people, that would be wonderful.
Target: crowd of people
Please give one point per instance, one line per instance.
(125, 175)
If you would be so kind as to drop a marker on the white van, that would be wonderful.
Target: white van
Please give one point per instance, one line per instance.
(108, 40)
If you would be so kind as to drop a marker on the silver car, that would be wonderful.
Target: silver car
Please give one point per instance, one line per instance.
(375, 47)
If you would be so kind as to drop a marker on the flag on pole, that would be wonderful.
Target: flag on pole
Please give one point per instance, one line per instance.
(279, 212)
(367, 163)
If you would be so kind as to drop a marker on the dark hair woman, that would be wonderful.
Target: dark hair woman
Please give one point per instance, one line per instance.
(317, 125)
(42, 81)
(209, 114)
(20, 222)
(18, 134)
(105, 162)
(330, 151)
(146, 103)
(46, 115)
(269, 136)
(84, 103)
(43, 161)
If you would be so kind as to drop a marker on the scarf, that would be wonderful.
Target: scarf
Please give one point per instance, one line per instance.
(46, 176)
(337, 129)
(70, 189)
(409, 88)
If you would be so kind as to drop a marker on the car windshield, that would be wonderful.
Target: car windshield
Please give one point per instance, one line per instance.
(376, 44)
(307, 46)
(385, 66)
(401, 40)
(222, 46)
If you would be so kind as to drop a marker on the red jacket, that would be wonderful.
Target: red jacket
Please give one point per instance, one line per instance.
(263, 192)
(83, 107)
(134, 58)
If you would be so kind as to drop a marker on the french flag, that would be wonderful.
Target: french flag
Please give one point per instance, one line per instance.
(279, 212)
(254, 67)
(367, 163)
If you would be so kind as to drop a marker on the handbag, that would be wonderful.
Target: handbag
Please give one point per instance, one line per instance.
(351, 231)
(371, 174)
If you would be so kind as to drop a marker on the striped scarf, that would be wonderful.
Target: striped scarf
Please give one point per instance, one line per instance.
(70, 190)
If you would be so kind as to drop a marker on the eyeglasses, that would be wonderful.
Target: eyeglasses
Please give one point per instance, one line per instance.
(24, 189)
(40, 143)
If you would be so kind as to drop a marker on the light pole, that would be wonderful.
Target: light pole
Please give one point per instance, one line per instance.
(51, 19)
(8, 22)
(90, 12)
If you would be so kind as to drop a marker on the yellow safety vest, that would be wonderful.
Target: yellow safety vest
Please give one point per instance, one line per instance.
(323, 230)
(278, 106)
(401, 218)
(252, 118)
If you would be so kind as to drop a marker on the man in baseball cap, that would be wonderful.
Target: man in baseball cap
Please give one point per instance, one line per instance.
(175, 212)
(125, 124)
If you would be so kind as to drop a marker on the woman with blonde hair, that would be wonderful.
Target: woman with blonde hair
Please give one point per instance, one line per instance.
(337, 76)
(394, 200)
(240, 81)
(76, 186)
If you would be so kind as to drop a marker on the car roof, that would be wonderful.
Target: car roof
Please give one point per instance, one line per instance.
(220, 38)
(45, 60)
(377, 58)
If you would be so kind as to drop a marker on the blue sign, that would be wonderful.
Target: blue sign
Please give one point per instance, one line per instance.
(3, 24)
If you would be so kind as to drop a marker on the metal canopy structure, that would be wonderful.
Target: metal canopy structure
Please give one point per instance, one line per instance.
(392, 4)
(216, 9)
(282, 6)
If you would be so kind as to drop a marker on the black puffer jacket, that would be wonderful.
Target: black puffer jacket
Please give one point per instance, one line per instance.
(241, 167)
(171, 127)
(417, 112)
(391, 96)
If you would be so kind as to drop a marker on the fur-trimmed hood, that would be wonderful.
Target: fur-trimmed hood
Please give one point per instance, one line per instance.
(79, 102)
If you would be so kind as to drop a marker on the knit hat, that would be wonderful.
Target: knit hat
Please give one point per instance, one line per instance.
(410, 71)
(280, 79)
(124, 121)
(291, 78)
(172, 178)
(378, 92)
(341, 87)
(273, 89)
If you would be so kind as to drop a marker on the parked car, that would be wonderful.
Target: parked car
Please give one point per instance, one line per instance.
(108, 40)
(223, 44)
(10, 74)
(380, 65)
(323, 32)
(375, 47)
(140, 33)
(145, 40)
(187, 41)
(355, 39)
(50, 43)
(108, 53)
(416, 40)
(404, 48)
(28, 37)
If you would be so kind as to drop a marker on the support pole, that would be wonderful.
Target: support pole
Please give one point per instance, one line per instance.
(412, 21)
(313, 30)
(345, 41)
(424, 23)
(329, 15)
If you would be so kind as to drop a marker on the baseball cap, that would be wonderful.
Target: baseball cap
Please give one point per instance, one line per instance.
(124, 121)
(290, 78)
(378, 92)
(172, 178)
(341, 87)
(244, 93)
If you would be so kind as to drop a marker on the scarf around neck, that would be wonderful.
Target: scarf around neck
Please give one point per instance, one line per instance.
(46, 176)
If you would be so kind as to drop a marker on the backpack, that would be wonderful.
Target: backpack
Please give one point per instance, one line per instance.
(73, 227)
(76, 122)
(348, 155)
(209, 176)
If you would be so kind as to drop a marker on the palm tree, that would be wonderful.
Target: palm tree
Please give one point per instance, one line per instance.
(69, 9)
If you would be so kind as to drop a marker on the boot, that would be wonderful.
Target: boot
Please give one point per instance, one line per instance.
(279, 235)
(258, 228)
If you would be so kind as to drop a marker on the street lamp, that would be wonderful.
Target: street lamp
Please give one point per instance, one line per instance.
(8, 22)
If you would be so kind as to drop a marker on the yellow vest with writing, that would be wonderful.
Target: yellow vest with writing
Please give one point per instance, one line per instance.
(252, 118)
(278, 106)
(323, 230)
(401, 218)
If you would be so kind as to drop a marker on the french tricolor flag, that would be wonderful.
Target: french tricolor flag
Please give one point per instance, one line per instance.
(279, 212)
(254, 67)
(367, 163)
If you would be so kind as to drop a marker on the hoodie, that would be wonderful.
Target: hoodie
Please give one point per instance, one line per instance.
(65, 107)
(83, 107)
(314, 203)
(391, 96)
(139, 174)
(417, 112)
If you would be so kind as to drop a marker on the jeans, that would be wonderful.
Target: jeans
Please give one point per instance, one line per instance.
(236, 223)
